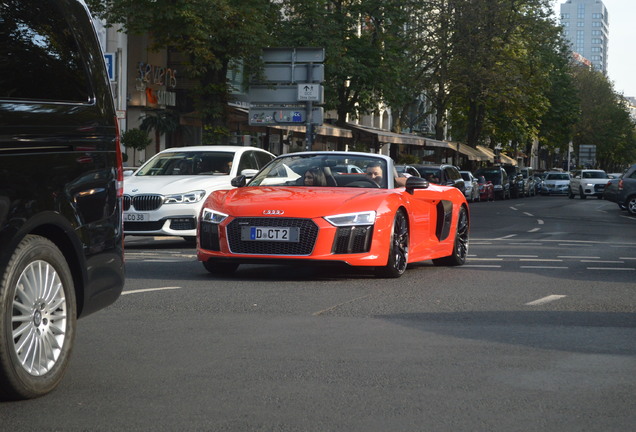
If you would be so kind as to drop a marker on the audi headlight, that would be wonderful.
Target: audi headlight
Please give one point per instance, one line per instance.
(212, 216)
(184, 198)
(352, 219)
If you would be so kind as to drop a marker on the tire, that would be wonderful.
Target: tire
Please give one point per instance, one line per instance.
(220, 268)
(582, 194)
(37, 297)
(460, 248)
(630, 205)
(399, 248)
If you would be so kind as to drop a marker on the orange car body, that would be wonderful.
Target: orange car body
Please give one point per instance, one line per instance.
(432, 213)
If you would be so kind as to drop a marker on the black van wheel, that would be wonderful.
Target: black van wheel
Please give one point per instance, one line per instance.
(37, 328)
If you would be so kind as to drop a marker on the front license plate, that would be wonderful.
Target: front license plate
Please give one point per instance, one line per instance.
(279, 234)
(136, 217)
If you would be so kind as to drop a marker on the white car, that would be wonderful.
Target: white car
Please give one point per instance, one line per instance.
(472, 186)
(555, 182)
(164, 196)
(588, 182)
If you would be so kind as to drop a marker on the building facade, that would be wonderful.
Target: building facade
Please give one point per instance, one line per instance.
(586, 27)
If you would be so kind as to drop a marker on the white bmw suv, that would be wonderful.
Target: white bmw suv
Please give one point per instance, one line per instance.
(164, 196)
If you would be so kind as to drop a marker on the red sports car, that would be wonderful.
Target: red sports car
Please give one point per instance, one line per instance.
(298, 209)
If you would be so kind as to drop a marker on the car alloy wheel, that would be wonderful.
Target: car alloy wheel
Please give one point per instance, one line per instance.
(399, 249)
(460, 247)
(631, 205)
(37, 330)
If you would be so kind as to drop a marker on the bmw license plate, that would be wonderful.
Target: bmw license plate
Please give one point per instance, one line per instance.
(136, 217)
(277, 234)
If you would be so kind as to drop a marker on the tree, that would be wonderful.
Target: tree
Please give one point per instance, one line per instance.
(212, 34)
(162, 121)
(135, 139)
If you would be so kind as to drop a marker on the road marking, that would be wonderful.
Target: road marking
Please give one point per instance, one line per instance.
(540, 221)
(528, 214)
(626, 258)
(486, 259)
(577, 257)
(507, 237)
(519, 256)
(573, 245)
(544, 267)
(540, 260)
(534, 230)
(544, 300)
(602, 262)
(481, 266)
(149, 290)
(514, 208)
(320, 312)
(612, 268)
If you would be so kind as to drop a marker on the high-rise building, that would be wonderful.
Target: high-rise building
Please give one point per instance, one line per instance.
(586, 26)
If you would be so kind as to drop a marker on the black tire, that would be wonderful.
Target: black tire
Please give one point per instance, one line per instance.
(48, 326)
(220, 268)
(630, 205)
(460, 248)
(582, 194)
(399, 249)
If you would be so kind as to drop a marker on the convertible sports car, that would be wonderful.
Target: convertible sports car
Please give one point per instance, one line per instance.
(366, 219)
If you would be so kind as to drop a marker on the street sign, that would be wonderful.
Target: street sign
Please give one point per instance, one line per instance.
(285, 94)
(109, 59)
(284, 116)
(310, 92)
(293, 73)
(294, 55)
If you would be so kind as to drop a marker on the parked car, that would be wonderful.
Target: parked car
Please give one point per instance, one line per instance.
(61, 248)
(446, 175)
(357, 221)
(164, 196)
(348, 169)
(472, 186)
(499, 179)
(538, 182)
(627, 190)
(555, 183)
(516, 180)
(610, 193)
(529, 183)
(587, 182)
(486, 189)
(407, 169)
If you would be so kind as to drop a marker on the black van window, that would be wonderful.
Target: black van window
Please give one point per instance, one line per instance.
(39, 56)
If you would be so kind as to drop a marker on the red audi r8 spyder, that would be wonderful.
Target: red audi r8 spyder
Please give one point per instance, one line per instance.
(299, 209)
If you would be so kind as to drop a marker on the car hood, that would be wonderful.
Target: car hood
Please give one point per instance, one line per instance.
(165, 185)
(296, 201)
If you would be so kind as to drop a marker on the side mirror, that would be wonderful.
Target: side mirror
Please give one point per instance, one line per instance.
(249, 173)
(128, 172)
(239, 181)
(413, 183)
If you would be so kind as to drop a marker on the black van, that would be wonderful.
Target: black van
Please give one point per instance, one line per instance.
(61, 185)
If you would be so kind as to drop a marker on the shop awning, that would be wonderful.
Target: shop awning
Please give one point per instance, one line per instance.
(383, 136)
(470, 152)
(491, 156)
(324, 130)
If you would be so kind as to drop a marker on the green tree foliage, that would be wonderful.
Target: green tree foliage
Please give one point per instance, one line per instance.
(604, 121)
(211, 33)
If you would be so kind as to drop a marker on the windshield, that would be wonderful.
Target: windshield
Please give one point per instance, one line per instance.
(557, 176)
(431, 174)
(493, 176)
(323, 170)
(594, 175)
(188, 163)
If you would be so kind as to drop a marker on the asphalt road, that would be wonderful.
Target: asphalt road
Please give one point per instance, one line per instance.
(537, 332)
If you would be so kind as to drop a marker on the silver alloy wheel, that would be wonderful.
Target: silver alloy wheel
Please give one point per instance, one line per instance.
(39, 318)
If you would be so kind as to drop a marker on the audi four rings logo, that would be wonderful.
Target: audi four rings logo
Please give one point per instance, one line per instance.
(273, 212)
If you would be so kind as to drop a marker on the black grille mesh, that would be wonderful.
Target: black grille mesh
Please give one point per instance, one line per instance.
(355, 239)
(308, 232)
(143, 202)
(209, 236)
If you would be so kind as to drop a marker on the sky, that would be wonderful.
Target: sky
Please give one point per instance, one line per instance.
(621, 58)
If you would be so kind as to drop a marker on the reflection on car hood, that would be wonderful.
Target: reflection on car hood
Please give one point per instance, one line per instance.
(296, 201)
(557, 182)
(166, 185)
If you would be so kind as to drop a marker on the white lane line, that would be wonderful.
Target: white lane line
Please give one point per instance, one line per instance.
(626, 258)
(519, 256)
(544, 300)
(481, 266)
(528, 214)
(602, 262)
(507, 237)
(577, 257)
(544, 267)
(573, 245)
(540, 221)
(514, 208)
(486, 259)
(612, 268)
(149, 290)
(540, 260)
(534, 230)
